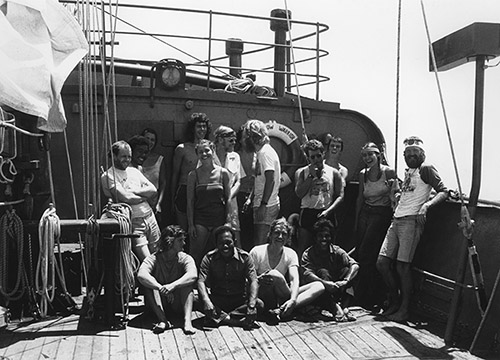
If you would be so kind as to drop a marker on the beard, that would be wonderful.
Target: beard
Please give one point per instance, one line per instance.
(414, 161)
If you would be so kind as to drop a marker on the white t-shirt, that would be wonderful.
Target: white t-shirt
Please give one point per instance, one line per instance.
(260, 258)
(267, 159)
(129, 179)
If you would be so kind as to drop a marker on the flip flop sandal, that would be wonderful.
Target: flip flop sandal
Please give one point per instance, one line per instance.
(161, 327)
(349, 316)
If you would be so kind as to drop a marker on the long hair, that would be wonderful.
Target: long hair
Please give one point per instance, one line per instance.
(194, 118)
(168, 235)
(151, 131)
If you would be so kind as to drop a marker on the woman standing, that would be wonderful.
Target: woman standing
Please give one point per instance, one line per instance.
(154, 170)
(208, 192)
(373, 217)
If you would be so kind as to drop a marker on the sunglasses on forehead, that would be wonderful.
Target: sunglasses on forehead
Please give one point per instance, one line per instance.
(413, 141)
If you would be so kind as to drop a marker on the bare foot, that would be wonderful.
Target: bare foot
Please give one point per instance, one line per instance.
(390, 310)
(400, 316)
(188, 329)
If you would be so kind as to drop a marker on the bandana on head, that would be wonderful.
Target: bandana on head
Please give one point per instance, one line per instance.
(414, 142)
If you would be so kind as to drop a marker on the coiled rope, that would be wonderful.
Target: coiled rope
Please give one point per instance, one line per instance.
(48, 231)
(128, 263)
(11, 234)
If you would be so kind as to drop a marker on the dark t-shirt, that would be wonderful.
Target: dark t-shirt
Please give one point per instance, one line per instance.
(227, 278)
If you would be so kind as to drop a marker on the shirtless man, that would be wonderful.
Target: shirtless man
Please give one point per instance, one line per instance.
(185, 160)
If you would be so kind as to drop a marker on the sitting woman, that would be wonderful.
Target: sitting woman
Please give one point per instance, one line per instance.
(275, 263)
(208, 192)
(169, 275)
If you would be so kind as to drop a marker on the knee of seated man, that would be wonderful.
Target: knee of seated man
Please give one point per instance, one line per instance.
(324, 274)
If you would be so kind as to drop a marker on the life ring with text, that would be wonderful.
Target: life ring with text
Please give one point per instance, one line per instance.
(291, 140)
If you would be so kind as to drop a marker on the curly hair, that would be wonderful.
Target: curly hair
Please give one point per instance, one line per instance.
(312, 145)
(197, 118)
(168, 235)
(137, 140)
(223, 229)
(257, 131)
(323, 224)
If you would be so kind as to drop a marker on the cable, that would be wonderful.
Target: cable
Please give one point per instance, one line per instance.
(11, 232)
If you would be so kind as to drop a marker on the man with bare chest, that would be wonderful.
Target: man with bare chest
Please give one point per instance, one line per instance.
(185, 160)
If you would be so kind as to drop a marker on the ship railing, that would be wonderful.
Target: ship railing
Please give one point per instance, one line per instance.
(306, 55)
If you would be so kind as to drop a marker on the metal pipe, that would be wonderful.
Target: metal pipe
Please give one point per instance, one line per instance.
(234, 49)
(473, 198)
(280, 28)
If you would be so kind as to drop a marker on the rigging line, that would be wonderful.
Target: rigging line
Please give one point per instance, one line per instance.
(173, 47)
(304, 135)
(398, 61)
(434, 65)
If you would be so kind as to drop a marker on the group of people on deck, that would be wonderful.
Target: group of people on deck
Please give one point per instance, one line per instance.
(222, 197)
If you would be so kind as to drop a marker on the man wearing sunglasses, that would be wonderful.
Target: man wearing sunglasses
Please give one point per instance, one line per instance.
(319, 186)
(401, 240)
(225, 140)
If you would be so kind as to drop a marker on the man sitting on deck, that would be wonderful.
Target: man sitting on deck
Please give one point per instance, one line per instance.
(407, 226)
(169, 275)
(230, 274)
(330, 265)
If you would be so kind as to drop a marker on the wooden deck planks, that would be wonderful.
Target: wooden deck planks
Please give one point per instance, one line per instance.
(234, 344)
(184, 344)
(267, 343)
(281, 342)
(302, 349)
(219, 347)
(293, 340)
(169, 348)
(303, 331)
(151, 343)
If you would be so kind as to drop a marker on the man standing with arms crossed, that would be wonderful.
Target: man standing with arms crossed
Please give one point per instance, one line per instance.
(407, 226)
(124, 183)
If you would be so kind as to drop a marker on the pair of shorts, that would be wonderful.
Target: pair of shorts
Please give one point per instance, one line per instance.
(402, 239)
(148, 230)
(271, 215)
(308, 218)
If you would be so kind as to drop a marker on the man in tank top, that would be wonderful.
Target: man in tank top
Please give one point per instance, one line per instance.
(320, 190)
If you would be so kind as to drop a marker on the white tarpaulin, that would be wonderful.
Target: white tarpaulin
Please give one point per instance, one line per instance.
(40, 43)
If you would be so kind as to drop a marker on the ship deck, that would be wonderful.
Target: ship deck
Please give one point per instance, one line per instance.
(369, 337)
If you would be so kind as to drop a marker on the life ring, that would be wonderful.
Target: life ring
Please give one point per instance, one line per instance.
(291, 140)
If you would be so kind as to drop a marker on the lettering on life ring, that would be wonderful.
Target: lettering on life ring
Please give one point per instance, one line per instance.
(288, 136)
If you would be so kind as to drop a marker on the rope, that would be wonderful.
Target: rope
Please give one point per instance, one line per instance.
(467, 224)
(292, 52)
(398, 57)
(48, 231)
(128, 262)
(11, 233)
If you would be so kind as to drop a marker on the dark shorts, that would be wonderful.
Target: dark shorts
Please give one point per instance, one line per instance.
(180, 200)
(308, 218)
(228, 303)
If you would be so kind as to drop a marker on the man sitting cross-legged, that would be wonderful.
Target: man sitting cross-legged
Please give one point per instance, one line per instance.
(330, 265)
(277, 269)
(169, 275)
(230, 274)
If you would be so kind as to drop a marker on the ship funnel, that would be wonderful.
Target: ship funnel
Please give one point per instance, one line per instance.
(280, 27)
(234, 49)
